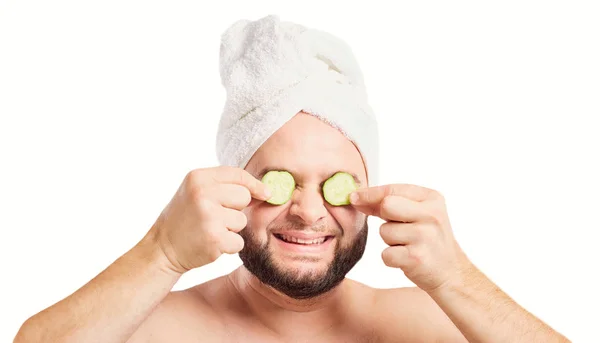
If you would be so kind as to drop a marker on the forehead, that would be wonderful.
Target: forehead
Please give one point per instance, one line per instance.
(307, 146)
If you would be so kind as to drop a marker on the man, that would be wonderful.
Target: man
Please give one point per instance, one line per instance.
(295, 102)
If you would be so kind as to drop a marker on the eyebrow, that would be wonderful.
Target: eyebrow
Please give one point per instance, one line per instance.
(264, 170)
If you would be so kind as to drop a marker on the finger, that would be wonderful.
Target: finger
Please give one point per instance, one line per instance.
(401, 209)
(234, 220)
(396, 256)
(225, 174)
(254, 202)
(399, 233)
(229, 195)
(231, 243)
(374, 195)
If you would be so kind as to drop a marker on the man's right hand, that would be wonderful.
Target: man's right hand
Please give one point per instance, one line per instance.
(203, 219)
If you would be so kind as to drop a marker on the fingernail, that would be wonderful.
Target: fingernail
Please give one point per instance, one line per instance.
(268, 193)
(353, 198)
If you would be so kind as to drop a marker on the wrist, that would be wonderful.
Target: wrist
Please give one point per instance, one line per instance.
(464, 274)
(150, 250)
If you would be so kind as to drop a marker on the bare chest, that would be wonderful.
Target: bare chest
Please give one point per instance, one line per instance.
(227, 329)
(247, 335)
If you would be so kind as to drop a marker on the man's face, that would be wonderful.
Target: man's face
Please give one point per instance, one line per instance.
(311, 151)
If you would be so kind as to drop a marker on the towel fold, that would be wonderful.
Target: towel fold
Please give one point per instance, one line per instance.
(271, 70)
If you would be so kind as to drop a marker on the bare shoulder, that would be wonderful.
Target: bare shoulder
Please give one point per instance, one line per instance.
(182, 316)
(410, 311)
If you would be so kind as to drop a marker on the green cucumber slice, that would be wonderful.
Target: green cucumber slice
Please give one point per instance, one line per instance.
(281, 184)
(337, 189)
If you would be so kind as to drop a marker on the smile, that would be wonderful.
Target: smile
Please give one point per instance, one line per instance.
(301, 241)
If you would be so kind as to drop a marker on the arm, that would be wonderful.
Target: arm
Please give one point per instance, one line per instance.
(422, 244)
(111, 306)
(200, 223)
(484, 313)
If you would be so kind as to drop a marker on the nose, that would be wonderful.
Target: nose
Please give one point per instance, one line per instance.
(308, 205)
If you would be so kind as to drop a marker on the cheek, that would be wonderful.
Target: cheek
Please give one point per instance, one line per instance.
(260, 216)
(348, 218)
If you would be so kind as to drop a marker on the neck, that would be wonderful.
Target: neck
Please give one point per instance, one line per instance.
(315, 317)
(254, 291)
(276, 310)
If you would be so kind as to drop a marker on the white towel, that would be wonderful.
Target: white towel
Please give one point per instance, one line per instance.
(272, 70)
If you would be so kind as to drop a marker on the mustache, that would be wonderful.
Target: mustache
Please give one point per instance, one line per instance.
(292, 226)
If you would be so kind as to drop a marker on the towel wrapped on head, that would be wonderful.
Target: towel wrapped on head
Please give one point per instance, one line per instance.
(272, 70)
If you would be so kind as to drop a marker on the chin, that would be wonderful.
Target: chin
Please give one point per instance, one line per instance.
(307, 266)
(300, 268)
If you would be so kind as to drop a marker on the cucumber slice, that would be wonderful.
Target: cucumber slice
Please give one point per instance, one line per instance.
(281, 184)
(337, 189)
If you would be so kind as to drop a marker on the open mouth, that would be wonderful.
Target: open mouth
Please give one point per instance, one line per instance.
(299, 241)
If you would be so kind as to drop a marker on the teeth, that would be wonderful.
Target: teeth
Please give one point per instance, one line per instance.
(302, 241)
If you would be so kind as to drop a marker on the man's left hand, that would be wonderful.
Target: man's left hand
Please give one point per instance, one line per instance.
(418, 231)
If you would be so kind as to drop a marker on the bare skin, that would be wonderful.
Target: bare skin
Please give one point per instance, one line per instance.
(241, 309)
(131, 301)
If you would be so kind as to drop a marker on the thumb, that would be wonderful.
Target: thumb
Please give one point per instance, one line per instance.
(360, 200)
(370, 195)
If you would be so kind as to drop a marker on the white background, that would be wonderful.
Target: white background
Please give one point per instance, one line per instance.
(105, 106)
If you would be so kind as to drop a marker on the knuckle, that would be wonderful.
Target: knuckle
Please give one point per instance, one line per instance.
(204, 206)
(390, 189)
(230, 172)
(227, 169)
(385, 205)
(192, 187)
(195, 192)
(223, 169)
(190, 175)
(436, 215)
(242, 176)
(432, 212)
(245, 195)
(437, 220)
(438, 195)
(194, 176)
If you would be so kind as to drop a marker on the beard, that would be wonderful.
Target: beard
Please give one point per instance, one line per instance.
(257, 258)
